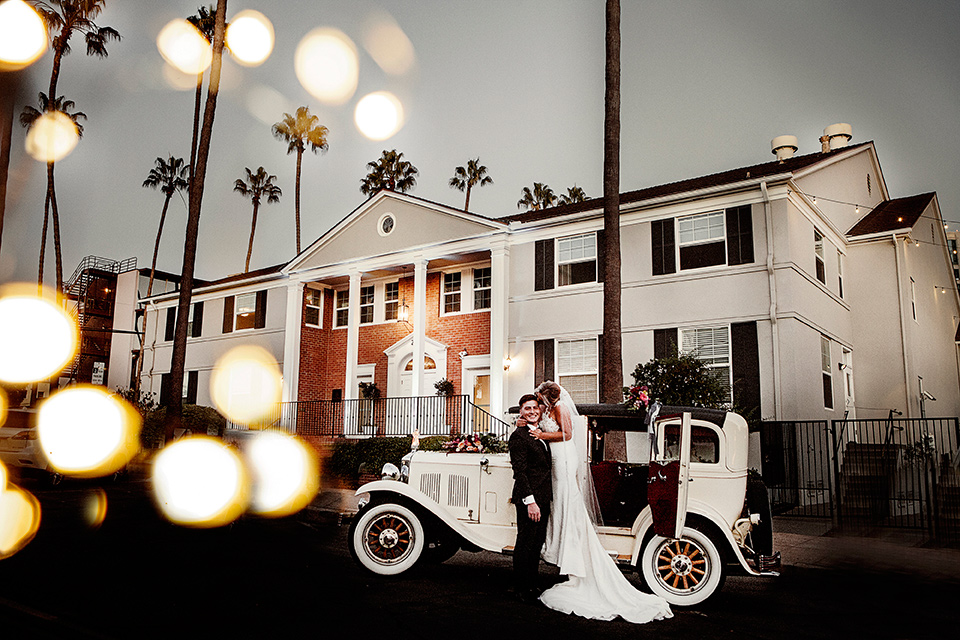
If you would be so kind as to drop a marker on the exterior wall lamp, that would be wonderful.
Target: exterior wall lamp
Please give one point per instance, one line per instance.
(506, 364)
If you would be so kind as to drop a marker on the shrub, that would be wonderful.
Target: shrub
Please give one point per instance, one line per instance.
(349, 455)
(198, 419)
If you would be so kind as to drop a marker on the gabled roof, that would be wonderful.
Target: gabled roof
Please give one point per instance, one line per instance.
(256, 273)
(890, 215)
(732, 176)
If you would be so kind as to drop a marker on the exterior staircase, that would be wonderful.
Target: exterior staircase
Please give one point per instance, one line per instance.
(867, 473)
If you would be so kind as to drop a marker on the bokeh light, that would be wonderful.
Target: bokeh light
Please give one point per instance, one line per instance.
(52, 137)
(23, 36)
(327, 66)
(37, 338)
(4, 405)
(200, 482)
(246, 384)
(19, 518)
(285, 474)
(178, 80)
(95, 508)
(379, 115)
(250, 38)
(388, 45)
(86, 432)
(183, 46)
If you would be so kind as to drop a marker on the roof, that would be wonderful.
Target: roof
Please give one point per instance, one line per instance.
(248, 275)
(775, 167)
(890, 215)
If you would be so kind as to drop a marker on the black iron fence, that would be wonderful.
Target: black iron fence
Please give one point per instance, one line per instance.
(431, 415)
(865, 474)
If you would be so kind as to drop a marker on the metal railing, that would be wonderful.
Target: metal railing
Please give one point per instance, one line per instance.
(367, 417)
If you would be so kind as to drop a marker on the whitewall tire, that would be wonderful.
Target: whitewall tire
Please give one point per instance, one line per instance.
(684, 572)
(387, 539)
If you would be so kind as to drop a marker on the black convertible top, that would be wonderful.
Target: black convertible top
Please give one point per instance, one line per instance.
(637, 419)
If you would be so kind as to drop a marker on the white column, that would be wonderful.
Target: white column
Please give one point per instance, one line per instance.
(499, 327)
(353, 338)
(291, 341)
(419, 324)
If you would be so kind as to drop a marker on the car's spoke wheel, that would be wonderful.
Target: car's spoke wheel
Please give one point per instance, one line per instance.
(685, 571)
(387, 539)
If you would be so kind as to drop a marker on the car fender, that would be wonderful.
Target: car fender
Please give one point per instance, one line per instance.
(644, 522)
(427, 503)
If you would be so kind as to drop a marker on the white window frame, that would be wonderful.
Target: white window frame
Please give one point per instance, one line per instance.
(370, 307)
(719, 356)
(444, 292)
(818, 251)
(190, 319)
(239, 307)
(849, 396)
(467, 291)
(391, 301)
(826, 368)
(479, 288)
(913, 299)
(710, 238)
(345, 294)
(583, 258)
(840, 273)
(588, 365)
(308, 291)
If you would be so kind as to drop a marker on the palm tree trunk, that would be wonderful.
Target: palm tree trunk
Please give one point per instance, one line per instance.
(196, 123)
(56, 230)
(43, 239)
(253, 229)
(611, 374)
(297, 197)
(9, 82)
(178, 357)
(466, 205)
(156, 245)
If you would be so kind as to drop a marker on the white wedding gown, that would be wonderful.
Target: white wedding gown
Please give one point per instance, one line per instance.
(596, 588)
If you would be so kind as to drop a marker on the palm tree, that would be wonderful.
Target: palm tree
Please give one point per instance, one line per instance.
(64, 18)
(573, 194)
(390, 171)
(170, 176)
(464, 179)
(204, 21)
(174, 401)
(27, 118)
(299, 132)
(541, 197)
(254, 187)
(611, 368)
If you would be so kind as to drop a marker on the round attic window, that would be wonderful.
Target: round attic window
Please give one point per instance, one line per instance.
(386, 224)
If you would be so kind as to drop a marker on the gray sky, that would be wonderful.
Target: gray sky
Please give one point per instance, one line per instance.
(706, 84)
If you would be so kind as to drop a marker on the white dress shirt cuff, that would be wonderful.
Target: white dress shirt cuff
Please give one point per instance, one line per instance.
(529, 500)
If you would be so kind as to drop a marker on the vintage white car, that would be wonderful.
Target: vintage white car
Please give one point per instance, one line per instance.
(673, 495)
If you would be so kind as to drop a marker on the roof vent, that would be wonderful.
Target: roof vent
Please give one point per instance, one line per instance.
(784, 147)
(838, 135)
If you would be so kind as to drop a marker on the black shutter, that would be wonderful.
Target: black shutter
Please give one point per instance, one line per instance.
(746, 367)
(336, 395)
(192, 383)
(197, 319)
(739, 235)
(601, 255)
(164, 389)
(543, 265)
(228, 314)
(664, 260)
(260, 320)
(542, 361)
(171, 323)
(665, 343)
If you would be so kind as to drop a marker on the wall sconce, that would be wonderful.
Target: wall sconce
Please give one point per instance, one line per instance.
(841, 366)
(506, 364)
(462, 354)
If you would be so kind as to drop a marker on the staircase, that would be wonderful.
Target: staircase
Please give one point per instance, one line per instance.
(948, 504)
(866, 474)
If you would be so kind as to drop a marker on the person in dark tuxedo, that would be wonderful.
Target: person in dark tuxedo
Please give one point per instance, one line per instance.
(532, 491)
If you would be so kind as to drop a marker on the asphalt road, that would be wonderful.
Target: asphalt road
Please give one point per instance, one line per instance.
(139, 577)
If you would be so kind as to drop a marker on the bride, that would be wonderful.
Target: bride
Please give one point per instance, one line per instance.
(596, 588)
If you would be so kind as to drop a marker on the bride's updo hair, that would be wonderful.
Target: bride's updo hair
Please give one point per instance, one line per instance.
(550, 392)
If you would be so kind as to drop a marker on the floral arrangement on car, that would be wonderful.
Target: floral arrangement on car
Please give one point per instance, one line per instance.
(464, 444)
(636, 398)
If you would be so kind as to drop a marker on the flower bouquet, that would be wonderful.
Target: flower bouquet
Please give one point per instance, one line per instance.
(464, 444)
(636, 398)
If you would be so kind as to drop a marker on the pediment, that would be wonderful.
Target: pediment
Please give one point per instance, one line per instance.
(414, 223)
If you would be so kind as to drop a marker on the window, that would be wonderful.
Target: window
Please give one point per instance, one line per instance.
(704, 444)
(481, 288)
(827, 376)
(578, 367)
(913, 298)
(194, 321)
(577, 259)
(818, 250)
(840, 273)
(190, 315)
(847, 373)
(342, 313)
(311, 314)
(711, 345)
(702, 240)
(391, 300)
(451, 292)
(246, 311)
(366, 304)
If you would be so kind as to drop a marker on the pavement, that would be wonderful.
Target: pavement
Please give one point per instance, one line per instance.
(806, 543)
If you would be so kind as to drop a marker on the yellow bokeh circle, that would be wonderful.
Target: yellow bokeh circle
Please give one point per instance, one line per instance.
(37, 338)
(246, 385)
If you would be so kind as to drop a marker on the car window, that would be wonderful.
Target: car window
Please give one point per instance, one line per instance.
(704, 444)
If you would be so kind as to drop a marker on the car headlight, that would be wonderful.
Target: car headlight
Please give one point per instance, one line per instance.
(390, 472)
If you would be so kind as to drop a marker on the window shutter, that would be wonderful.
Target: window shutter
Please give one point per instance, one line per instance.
(665, 343)
(164, 388)
(192, 384)
(197, 319)
(543, 265)
(542, 361)
(739, 235)
(664, 258)
(601, 256)
(260, 319)
(171, 323)
(228, 314)
(745, 358)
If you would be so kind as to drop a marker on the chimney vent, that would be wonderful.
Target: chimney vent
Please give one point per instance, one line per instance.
(837, 135)
(784, 147)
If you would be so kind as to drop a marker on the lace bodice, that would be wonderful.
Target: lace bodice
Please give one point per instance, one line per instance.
(548, 424)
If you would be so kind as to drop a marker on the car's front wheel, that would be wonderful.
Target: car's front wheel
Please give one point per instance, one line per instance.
(684, 572)
(387, 538)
